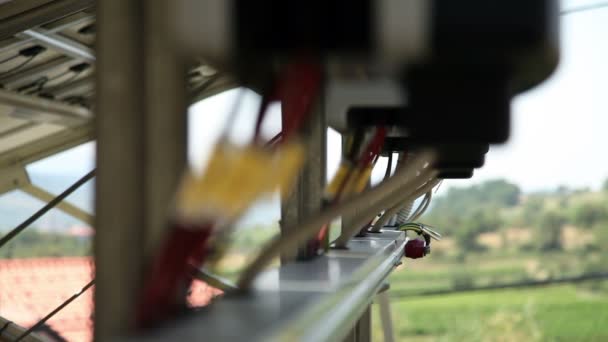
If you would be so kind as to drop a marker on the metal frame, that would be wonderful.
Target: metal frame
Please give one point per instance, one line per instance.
(320, 300)
(50, 111)
(307, 195)
(54, 27)
(64, 206)
(141, 149)
(47, 146)
(19, 16)
(61, 44)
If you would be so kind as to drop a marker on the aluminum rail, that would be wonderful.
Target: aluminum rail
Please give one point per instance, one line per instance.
(60, 43)
(319, 300)
(16, 43)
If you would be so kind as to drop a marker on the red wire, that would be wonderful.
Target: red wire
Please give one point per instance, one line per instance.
(297, 90)
(374, 147)
(371, 153)
(166, 284)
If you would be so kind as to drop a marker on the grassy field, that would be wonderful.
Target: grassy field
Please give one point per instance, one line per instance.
(555, 313)
(559, 313)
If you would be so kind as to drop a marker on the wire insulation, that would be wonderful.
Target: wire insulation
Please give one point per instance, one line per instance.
(293, 236)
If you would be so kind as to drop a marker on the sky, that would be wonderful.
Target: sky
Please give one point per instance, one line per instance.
(559, 129)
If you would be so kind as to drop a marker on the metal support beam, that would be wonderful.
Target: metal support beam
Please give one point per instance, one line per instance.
(61, 44)
(385, 316)
(12, 178)
(55, 27)
(38, 109)
(361, 331)
(364, 326)
(306, 197)
(141, 150)
(315, 301)
(64, 206)
(47, 146)
(29, 14)
(80, 86)
(21, 77)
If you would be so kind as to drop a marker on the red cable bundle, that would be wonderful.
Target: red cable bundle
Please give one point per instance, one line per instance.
(371, 153)
(169, 276)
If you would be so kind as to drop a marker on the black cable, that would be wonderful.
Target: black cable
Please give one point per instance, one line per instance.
(42, 84)
(52, 313)
(51, 79)
(389, 166)
(584, 8)
(6, 238)
(18, 67)
(34, 84)
(530, 283)
(9, 58)
(5, 326)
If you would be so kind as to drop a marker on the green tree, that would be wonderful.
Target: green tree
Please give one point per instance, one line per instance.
(532, 207)
(479, 221)
(588, 214)
(548, 231)
(500, 192)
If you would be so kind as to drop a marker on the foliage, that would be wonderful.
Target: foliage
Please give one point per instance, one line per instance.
(497, 205)
(548, 232)
(35, 243)
(586, 214)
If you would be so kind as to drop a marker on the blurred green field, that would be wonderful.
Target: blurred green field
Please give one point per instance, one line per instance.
(557, 313)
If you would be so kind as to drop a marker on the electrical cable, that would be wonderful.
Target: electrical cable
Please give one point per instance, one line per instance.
(9, 58)
(50, 205)
(262, 113)
(66, 81)
(386, 216)
(275, 140)
(389, 166)
(416, 187)
(404, 214)
(212, 279)
(19, 66)
(389, 213)
(372, 150)
(358, 204)
(40, 83)
(423, 206)
(55, 311)
(297, 90)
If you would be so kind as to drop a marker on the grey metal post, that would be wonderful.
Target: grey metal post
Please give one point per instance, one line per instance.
(361, 331)
(385, 316)
(141, 150)
(307, 194)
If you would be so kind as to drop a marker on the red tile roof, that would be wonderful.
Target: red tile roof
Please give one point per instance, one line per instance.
(31, 288)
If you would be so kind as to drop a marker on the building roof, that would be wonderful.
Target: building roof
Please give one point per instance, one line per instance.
(31, 288)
